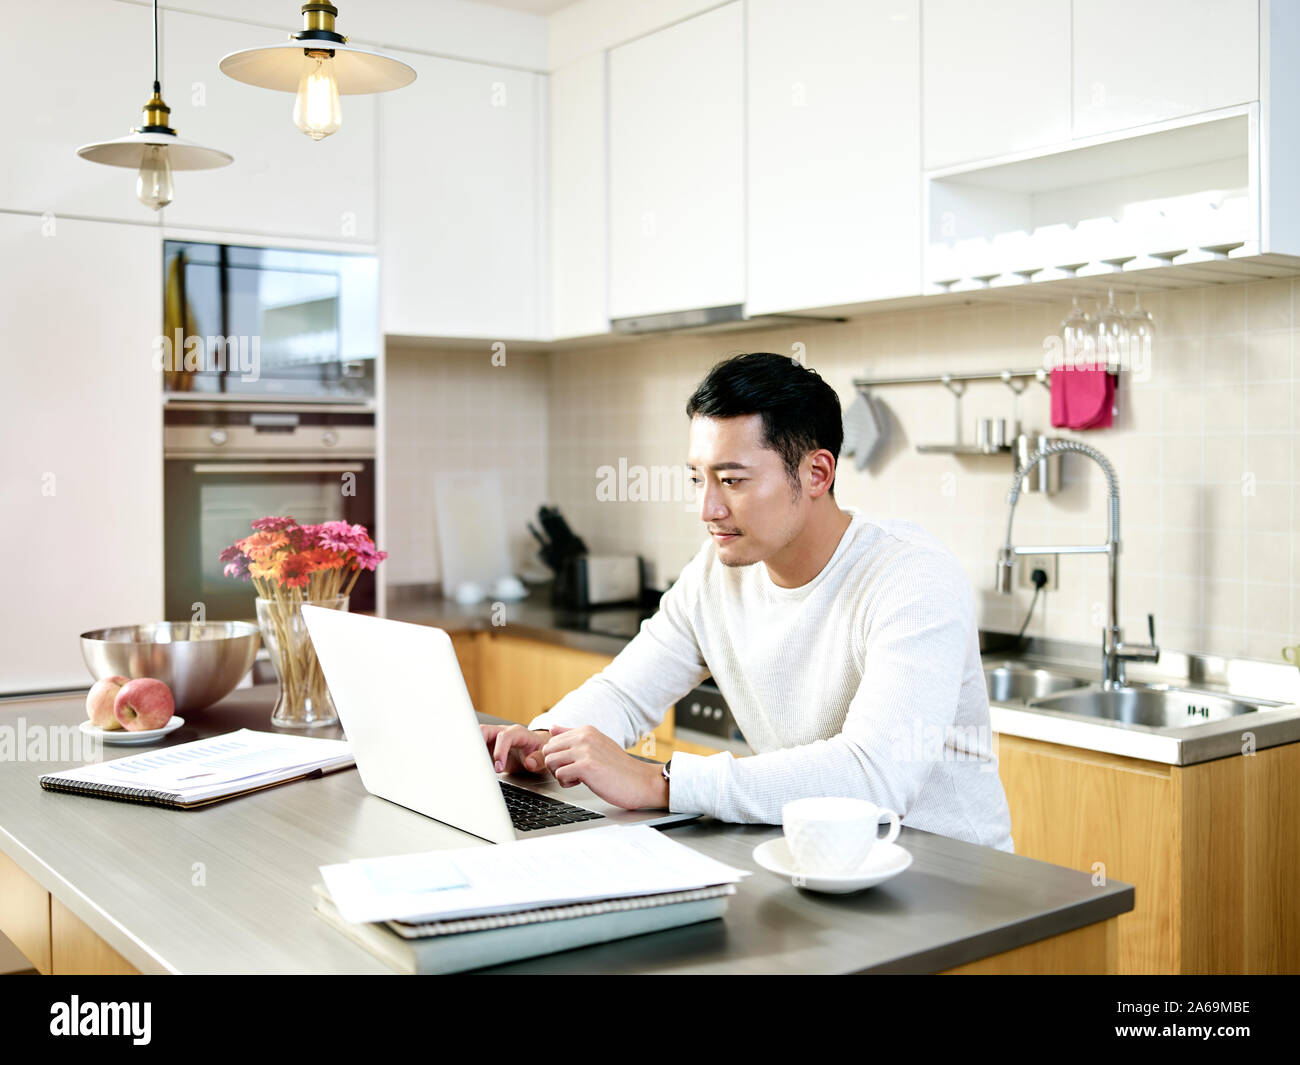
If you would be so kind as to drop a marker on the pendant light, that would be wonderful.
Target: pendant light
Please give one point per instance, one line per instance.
(318, 67)
(153, 148)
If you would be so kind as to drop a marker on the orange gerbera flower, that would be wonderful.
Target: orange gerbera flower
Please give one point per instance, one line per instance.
(261, 545)
(296, 571)
(260, 570)
(321, 558)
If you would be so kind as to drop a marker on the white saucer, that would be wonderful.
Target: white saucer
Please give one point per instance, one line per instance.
(884, 861)
(131, 739)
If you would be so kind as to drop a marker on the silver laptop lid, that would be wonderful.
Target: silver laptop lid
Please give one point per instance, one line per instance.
(403, 703)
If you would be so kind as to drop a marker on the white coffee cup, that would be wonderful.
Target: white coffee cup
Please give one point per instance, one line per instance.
(834, 836)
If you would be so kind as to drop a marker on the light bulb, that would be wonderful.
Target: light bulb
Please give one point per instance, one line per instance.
(316, 110)
(153, 185)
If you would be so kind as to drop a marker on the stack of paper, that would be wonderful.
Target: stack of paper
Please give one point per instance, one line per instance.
(622, 861)
(448, 911)
(191, 774)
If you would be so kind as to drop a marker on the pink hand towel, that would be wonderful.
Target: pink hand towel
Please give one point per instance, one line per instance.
(1082, 399)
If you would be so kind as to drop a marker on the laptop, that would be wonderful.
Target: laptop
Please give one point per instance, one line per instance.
(402, 701)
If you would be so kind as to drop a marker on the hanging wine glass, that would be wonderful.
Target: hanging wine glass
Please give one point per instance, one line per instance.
(1141, 339)
(1079, 337)
(1112, 335)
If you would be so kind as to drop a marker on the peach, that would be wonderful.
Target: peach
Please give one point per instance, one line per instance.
(143, 704)
(100, 699)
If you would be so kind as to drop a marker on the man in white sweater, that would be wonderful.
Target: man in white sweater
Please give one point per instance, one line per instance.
(846, 648)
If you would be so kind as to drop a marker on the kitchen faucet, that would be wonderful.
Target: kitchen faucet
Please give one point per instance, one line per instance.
(1114, 651)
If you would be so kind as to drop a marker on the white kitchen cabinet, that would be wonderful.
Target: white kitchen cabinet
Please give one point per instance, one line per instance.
(676, 167)
(81, 480)
(996, 77)
(462, 205)
(89, 88)
(579, 271)
(1136, 64)
(834, 201)
(282, 183)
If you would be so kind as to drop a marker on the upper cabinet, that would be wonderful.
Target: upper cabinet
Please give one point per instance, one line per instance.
(1135, 64)
(834, 197)
(579, 263)
(282, 183)
(676, 167)
(996, 77)
(90, 88)
(462, 202)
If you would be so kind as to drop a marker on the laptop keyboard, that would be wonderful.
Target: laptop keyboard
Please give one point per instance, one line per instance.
(530, 811)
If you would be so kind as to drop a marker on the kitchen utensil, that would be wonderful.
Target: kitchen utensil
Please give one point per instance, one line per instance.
(862, 430)
(200, 661)
(123, 738)
(885, 861)
(833, 836)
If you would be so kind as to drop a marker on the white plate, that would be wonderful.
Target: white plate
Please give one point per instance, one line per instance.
(130, 739)
(884, 861)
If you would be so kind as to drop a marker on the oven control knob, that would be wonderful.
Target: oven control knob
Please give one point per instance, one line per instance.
(218, 437)
(329, 438)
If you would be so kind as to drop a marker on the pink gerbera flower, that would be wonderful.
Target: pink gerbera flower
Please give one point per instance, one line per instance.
(274, 524)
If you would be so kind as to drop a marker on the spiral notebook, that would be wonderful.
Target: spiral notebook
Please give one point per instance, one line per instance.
(456, 946)
(187, 775)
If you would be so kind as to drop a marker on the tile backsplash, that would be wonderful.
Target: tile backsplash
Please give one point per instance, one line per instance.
(458, 411)
(1205, 450)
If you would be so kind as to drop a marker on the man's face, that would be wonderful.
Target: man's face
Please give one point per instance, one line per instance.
(748, 502)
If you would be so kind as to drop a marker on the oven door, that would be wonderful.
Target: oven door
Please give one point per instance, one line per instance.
(210, 504)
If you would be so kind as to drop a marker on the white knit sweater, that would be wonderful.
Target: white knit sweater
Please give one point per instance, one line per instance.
(864, 682)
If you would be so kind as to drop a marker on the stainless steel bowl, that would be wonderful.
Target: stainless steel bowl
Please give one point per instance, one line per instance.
(201, 663)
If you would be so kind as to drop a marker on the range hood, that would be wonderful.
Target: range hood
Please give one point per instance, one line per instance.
(725, 319)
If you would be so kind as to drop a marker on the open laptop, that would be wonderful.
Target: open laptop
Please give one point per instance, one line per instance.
(402, 701)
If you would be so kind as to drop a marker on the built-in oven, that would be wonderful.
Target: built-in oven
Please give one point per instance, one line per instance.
(228, 463)
(267, 323)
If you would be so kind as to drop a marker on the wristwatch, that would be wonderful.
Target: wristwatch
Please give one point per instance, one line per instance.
(664, 771)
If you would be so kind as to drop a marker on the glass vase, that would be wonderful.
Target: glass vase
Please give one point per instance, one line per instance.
(304, 700)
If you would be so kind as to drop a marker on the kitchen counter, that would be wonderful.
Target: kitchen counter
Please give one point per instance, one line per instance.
(607, 630)
(227, 888)
(604, 630)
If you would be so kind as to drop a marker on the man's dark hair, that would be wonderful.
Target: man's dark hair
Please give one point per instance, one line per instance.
(800, 411)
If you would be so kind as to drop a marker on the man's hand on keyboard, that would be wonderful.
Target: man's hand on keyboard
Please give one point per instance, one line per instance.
(585, 755)
(514, 747)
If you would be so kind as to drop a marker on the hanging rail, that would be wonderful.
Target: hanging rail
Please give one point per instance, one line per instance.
(1040, 375)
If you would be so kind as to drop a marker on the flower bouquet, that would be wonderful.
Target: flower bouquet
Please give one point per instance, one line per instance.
(291, 564)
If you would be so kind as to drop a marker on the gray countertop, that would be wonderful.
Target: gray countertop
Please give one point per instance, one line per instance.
(227, 888)
(536, 618)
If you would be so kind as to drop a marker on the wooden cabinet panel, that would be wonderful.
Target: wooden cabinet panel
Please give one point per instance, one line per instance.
(521, 678)
(1213, 850)
(466, 646)
(25, 913)
(79, 951)
(1103, 815)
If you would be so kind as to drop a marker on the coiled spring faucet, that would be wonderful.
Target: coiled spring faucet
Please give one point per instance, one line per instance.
(1114, 651)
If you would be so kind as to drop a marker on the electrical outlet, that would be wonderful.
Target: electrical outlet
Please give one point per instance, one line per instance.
(1050, 564)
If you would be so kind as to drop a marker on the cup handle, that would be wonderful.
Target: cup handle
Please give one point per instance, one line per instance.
(1292, 655)
(894, 827)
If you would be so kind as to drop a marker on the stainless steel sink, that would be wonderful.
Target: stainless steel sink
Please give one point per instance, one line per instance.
(1159, 706)
(1012, 682)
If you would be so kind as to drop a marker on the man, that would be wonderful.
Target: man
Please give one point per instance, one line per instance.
(846, 648)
